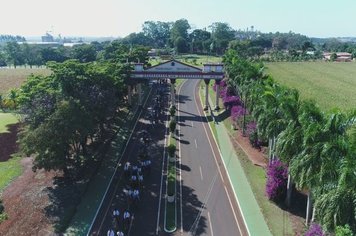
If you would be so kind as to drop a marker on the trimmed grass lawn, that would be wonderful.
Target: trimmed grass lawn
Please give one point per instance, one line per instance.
(330, 84)
(13, 78)
(12, 168)
(6, 119)
(191, 59)
(9, 170)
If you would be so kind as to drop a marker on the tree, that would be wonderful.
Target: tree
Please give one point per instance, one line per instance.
(289, 141)
(138, 39)
(198, 38)
(158, 32)
(84, 53)
(337, 205)
(221, 34)
(180, 45)
(65, 110)
(179, 35)
(32, 55)
(14, 53)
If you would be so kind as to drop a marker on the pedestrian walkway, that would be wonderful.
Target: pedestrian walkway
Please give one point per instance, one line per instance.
(254, 220)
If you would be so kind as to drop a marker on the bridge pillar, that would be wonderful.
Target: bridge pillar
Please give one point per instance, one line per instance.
(173, 92)
(217, 82)
(206, 81)
(139, 91)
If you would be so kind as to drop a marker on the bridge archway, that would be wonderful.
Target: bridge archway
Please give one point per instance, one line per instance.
(173, 70)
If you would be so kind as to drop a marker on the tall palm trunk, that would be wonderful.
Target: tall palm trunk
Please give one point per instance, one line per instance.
(309, 207)
(289, 190)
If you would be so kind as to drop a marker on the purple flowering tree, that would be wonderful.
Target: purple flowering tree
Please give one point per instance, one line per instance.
(277, 176)
(314, 230)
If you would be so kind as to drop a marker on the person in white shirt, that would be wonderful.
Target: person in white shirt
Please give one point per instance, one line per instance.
(120, 233)
(111, 232)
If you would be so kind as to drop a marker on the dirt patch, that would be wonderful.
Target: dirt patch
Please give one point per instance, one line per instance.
(25, 200)
(256, 156)
(8, 142)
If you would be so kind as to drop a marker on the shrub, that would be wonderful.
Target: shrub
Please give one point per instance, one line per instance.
(314, 230)
(251, 129)
(172, 111)
(172, 126)
(236, 112)
(3, 217)
(171, 149)
(277, 176)
(343, 231)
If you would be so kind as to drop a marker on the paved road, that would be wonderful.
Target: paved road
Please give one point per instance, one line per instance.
(207, 206)
(205, 203)
(145, 215)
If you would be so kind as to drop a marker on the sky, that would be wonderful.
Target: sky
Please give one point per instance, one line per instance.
(118, 18)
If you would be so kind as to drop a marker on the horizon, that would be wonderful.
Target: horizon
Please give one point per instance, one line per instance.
(110, 18)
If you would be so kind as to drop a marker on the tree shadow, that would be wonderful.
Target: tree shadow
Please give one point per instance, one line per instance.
(298, 204)
(184, 141)
(192, 208)
(8, 142)
(183, 98)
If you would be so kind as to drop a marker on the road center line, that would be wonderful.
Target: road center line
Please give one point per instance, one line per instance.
(211, 226)
(196, 145)
(201, 173)
(162, 173)
(215, 158)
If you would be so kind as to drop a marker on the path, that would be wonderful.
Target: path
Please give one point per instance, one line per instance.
(206, 206)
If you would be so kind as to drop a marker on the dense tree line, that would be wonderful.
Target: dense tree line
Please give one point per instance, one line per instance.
(318, 148)
(180, 37)
(68, 113)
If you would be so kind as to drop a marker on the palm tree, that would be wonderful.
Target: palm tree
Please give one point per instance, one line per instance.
(290, 139)
(306, 166)
(337, 206)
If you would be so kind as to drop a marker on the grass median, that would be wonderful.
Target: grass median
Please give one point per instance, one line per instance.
(171, 207)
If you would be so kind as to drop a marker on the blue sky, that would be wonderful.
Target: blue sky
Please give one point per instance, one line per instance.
(315, 18)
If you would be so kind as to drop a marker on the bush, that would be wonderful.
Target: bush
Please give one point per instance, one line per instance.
(172, 126)
(253, 135)
(314, 230)
(171, 149)
(277, 177)
(343, 231)
(3, 217)
(172, 111)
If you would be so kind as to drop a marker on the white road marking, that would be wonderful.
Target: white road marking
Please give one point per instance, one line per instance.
(211, 146)
(112, 177)
(180, 167)
(211, 226)
(196, 145)
(192, 124)
(160, 191)
(201, 173)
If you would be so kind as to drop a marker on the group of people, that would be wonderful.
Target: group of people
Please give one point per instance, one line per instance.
(135, 173)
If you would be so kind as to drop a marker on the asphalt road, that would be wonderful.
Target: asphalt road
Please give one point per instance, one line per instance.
(205, 201)
(144, 220)
(207, 206)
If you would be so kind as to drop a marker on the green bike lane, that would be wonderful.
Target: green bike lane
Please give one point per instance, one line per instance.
(251, 212)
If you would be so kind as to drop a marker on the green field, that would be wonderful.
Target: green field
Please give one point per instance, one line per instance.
(192, 59)
(330, 84)
(13, 78)
(6, 119)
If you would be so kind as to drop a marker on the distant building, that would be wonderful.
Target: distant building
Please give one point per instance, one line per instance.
(340, 56)
(47, 38)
